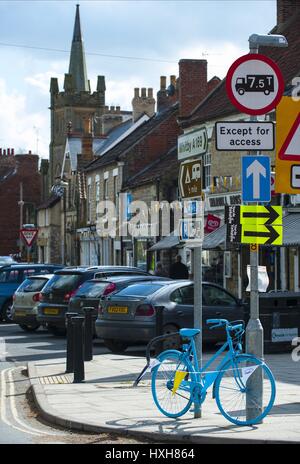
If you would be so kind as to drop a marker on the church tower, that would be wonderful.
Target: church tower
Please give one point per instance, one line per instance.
(70, 107)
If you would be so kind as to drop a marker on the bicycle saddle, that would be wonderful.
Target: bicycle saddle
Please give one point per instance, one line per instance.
(189, 332)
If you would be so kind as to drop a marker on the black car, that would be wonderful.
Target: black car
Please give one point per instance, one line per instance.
(91, 291)
(11, 277)
(56, 295)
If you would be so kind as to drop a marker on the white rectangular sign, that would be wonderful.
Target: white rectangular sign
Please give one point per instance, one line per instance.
(192, 144)
(284, 335)
(241, 135)
(191, 231)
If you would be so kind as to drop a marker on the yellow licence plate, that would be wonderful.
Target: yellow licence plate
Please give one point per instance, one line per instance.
(51, 311)
(20, 313)
(118, 309)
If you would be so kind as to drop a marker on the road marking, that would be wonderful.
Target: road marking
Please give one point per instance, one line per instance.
(13, 409)
(3, 353)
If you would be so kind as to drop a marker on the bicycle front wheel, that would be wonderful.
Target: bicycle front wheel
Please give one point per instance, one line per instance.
(245, 390)
(172, 402)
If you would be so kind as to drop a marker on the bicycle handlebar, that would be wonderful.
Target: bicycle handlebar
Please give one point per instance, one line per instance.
(222, 322)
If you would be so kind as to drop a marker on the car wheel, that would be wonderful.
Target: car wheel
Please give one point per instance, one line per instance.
(29, 328)
(115, 346)
(172, 343)
(6, 311)
(57, 331)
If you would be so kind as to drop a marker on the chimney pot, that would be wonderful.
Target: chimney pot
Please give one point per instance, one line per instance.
(118, 109)
(150, 93)
(143, 94)
(8, 151)
(29, 152)
(0, 151)
(4, 152)
(12, 151)
(136, 92)
(112, 108)
(163, 82)
(173, 80)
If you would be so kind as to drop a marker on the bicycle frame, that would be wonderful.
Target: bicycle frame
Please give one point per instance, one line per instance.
(203, 378)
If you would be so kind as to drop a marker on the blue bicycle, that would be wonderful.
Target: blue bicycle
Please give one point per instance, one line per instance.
(243, 385)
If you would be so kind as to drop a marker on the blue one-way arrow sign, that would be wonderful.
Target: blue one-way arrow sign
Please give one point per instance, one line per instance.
(256, 179)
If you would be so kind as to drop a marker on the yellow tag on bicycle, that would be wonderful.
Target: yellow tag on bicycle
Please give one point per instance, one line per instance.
(179, 376)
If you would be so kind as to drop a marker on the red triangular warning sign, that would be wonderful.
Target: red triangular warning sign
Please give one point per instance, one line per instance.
(28, 235)
(290, 149)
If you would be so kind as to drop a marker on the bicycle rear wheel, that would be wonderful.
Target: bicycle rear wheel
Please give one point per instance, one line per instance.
(239, 395)
(170, 403)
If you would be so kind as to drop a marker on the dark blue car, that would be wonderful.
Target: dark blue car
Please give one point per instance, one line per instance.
(11, 277)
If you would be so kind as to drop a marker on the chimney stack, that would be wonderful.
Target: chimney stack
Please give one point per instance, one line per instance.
(166, 97)
(192, 85)
(144, 103)
(286, 9)
(87, 140)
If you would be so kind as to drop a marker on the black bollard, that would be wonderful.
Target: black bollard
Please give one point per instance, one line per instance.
(159, 327)
(78, 349)
(70, 343)
(88, 333)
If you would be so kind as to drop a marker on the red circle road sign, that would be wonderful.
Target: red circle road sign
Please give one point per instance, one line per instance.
(254, 84)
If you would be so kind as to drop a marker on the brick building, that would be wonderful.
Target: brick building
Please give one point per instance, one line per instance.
(19, 178)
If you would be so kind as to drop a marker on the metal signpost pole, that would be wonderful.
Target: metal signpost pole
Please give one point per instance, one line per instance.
(197, 266)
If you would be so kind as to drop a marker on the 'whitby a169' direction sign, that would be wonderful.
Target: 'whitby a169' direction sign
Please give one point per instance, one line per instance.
(192, 144)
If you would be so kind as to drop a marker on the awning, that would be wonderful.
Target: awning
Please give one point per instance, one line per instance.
(168, 242)
(291, 229)
(215, 239)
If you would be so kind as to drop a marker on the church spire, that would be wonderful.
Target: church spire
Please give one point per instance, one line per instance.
(77, 66)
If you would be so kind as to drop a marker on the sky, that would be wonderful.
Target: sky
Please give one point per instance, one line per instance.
(132, 43)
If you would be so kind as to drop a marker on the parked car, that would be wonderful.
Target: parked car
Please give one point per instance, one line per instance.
(25, 302)
(56, 295)
(5, 260)
(128, 316)
(91, 291)
(11, 276)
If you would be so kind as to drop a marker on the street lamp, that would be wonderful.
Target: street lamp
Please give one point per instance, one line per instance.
(254, 329)
(266, 40)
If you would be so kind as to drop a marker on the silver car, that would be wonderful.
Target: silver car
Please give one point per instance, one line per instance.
(129, 316)
(25, 301)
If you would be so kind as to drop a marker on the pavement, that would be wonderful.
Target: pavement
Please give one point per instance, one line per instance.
(107, 402)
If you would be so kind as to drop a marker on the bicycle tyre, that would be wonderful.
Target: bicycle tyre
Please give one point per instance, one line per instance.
(162, 381)
(238, 406)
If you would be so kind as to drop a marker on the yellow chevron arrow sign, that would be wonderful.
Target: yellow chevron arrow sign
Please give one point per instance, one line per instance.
(268, 215)
(262, 234)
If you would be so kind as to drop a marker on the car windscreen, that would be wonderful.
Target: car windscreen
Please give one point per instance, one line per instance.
(139, 290)
(10, 276)
(91, 289)
(32, 285)
(63, 282)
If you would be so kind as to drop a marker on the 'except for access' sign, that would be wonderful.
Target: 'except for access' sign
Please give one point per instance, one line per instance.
(240, 135)
(193, 143)
(190, 179)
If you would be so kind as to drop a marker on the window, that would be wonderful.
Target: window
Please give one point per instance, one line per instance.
(32, 285)
(106, 189)
(97, 184)
(89, 200)
(9, 276)
(184, 295)
(214, 296)
(116, 190)
(64, 282)
(207, 171)
(91, 289)
(139, 290)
